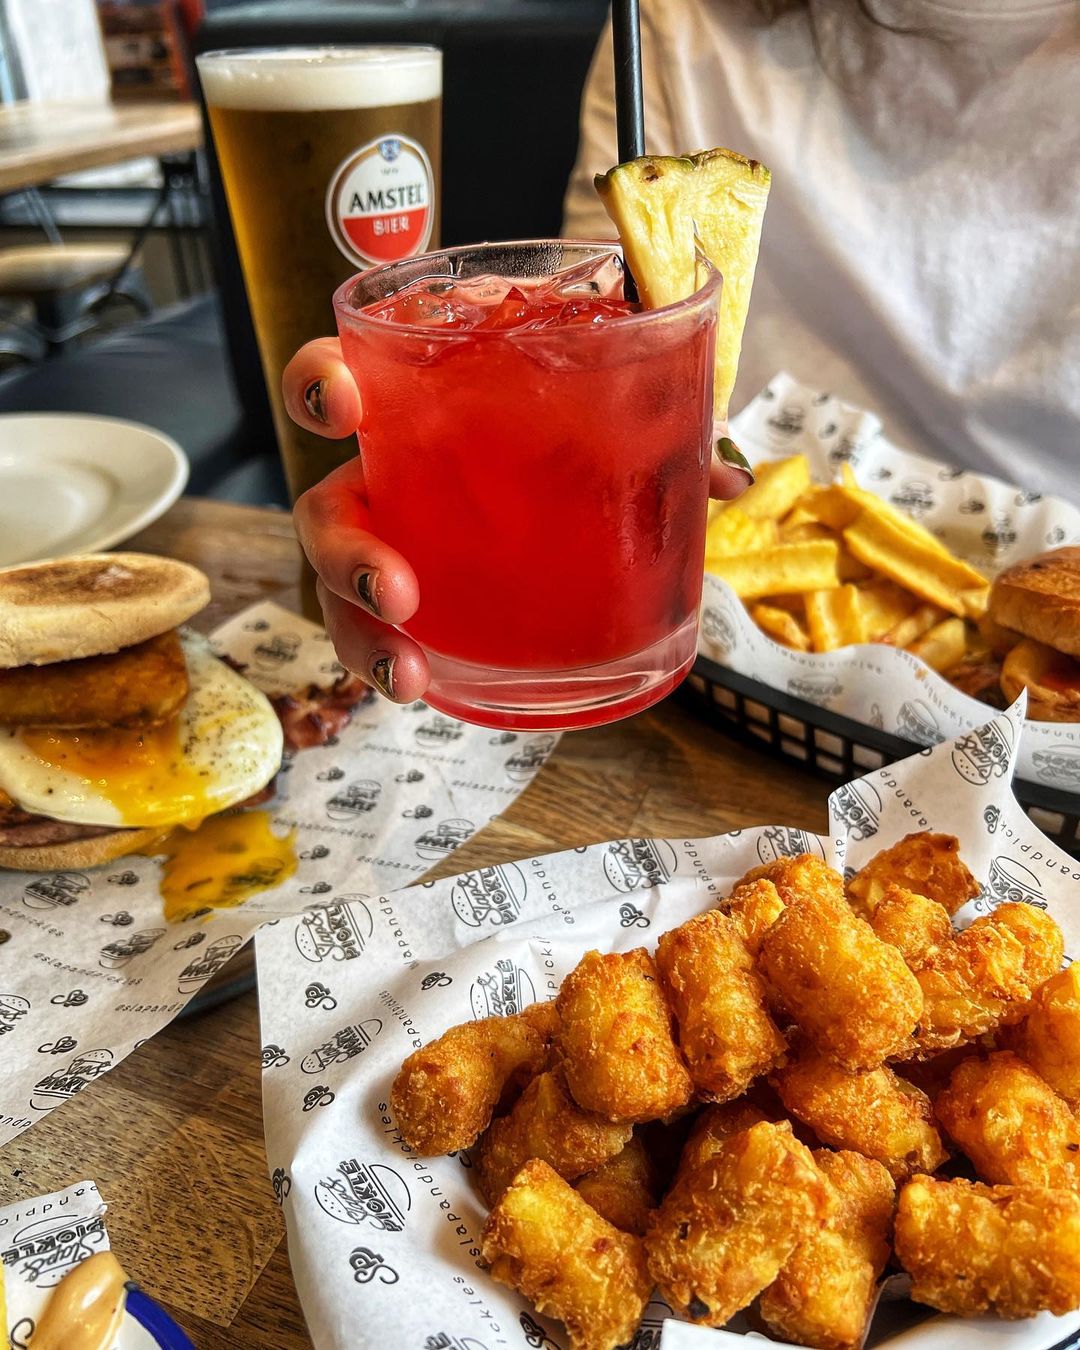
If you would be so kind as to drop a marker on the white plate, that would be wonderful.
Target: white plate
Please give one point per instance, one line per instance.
(71, 483)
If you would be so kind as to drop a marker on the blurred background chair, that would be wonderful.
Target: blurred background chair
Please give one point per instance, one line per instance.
(513, 75)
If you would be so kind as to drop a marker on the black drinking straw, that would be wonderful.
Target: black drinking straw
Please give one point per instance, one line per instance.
(629, 103)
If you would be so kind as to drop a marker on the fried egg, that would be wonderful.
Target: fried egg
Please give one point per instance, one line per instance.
(224, 745)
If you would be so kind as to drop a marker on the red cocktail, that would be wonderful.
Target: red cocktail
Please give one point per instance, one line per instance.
(539, 451)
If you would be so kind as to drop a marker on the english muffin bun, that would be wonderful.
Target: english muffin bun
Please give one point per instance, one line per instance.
(75, 854)
(1040, 599)
(68, 608)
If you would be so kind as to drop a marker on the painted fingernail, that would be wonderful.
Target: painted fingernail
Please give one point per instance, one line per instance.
(315, 400)
(365, 584)
(733, 457)
(382, 673)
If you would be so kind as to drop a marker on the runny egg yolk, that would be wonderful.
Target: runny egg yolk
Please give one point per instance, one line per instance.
(222, 862)
(142, 772)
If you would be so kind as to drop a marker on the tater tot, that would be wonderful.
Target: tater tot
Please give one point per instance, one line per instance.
(986, 976)
(871, 1111)
(624, 1191)
(850, 993)
(971, 1249)
(1010, 1123)
(927, 863)
(713, 1127)
(794, 877)
(725, 1228)
(543, 1240)
(825, 1294)
(724, 1030)
(545, 1123)
(753, 908)
(618, 1050)
(915, 926)
(1049, 1036)
(444, 1094)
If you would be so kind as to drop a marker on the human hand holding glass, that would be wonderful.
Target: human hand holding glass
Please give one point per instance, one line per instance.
(365, 586)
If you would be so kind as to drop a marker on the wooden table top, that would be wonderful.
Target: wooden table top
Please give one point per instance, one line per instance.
(42, 141)
(173, 1136)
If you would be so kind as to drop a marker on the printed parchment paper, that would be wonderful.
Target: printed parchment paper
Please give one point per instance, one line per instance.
(41, 1239)
(384, 1244)
(91, 968)
(983, 520)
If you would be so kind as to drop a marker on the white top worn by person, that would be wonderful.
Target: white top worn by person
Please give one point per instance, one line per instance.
(921, 249)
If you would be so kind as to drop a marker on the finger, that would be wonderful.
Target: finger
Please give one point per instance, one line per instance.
(388, 660)
(729, 473)
(319, 390)
(332, 525)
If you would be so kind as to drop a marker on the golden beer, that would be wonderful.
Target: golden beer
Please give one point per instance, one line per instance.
(330, 160)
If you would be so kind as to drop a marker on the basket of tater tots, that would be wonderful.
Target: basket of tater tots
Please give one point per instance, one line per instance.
(902, 596)
(816, 1090)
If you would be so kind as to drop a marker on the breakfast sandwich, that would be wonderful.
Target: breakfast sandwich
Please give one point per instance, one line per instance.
(1039, 601)
(117, 724)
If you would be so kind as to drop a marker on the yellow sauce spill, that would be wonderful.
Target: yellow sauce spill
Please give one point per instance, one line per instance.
(222, 862)
(87, 1308)
(143, 773)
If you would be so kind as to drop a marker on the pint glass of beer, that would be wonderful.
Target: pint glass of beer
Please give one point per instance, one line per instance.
(330, 159)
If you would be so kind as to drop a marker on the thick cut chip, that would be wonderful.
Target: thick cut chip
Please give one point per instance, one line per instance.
(914, 626)
(140, 686)
(1010, 1123)
(834, 618)
(665, 208)
(545, 1241)
(925, 862)
(943, 646)
(725, 1229)
(732, 532)
(825, 1294)
(781, 625)
(787, 569)
(1049, 1036)
(778, 486)
(931, 573)
(884, 605)
(972, 1249)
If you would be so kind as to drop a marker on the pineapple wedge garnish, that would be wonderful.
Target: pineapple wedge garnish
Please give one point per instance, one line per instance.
(660, 203)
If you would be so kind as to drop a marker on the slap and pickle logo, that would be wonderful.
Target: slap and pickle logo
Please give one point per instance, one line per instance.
(438, 730)
(1059, 765)
(442, 839)
(858, 805)
(491, 895)
(529, 758)
(116, 954)
(13, 1007)
(44, 1251)
(1011, 882)
(915, 722)
(985, 753)
(339, 931)
(196, 973)
(815, 686)
(778, 841)
(347, 1043)
(718, 626)
(365, 1194)
(61, 889)
(56, 1088)
(639, 864)
(355, 800)
(502, 991)
(380, 204)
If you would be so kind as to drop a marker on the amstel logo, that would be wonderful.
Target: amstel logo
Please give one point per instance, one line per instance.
(379, 205)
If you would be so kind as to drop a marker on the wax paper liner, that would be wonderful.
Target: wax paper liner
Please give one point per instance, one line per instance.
(89, 967)
(384, 1244)
(988, 523)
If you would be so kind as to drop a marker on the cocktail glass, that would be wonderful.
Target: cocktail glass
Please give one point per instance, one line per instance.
(548, 483)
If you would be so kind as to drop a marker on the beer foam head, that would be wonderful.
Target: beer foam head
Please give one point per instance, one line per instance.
(310, 79)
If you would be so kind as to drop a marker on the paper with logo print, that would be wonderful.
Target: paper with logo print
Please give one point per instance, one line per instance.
(89, 966)
(988, 523)
(385, 1244)
(41, 1240)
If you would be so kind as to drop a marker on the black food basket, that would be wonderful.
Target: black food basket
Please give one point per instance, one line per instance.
(839, 748)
